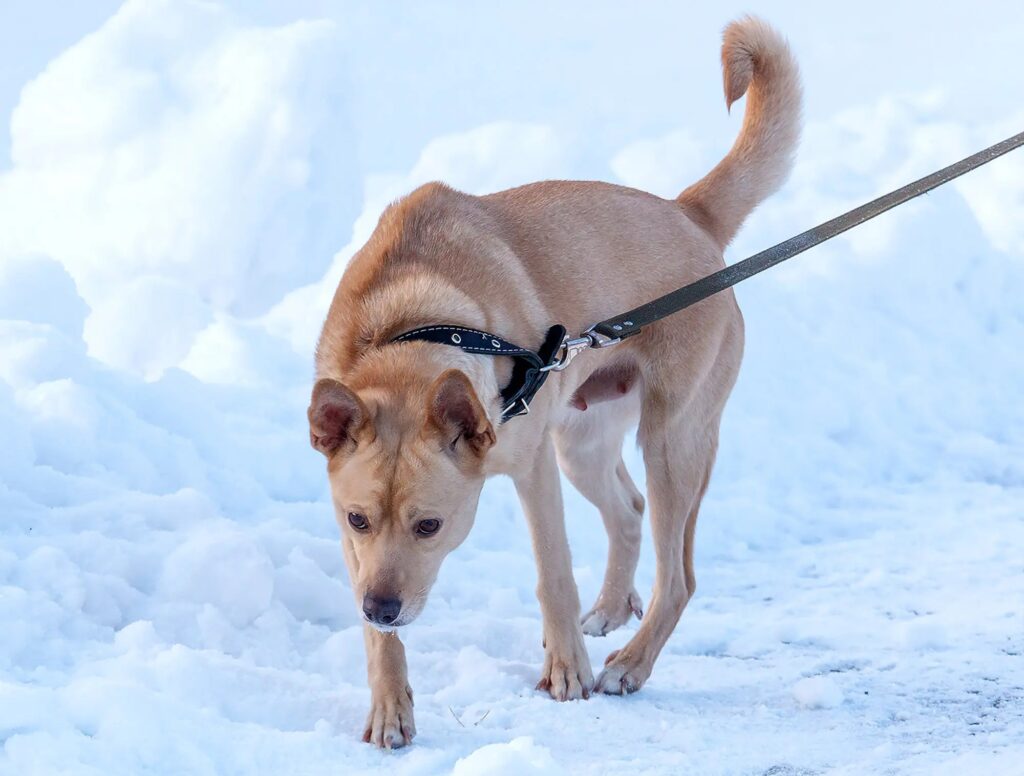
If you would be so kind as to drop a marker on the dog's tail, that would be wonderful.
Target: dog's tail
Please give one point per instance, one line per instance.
(756, 58)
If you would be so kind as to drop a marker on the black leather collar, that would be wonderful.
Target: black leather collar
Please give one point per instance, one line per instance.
(528, 366)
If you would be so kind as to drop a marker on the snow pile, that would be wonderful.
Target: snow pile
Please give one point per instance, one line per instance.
(183, 197)
(180, 165)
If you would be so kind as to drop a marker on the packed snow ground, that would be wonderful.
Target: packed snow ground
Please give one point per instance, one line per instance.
(182, 197)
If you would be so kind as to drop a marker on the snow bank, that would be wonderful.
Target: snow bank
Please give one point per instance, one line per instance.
(183, 198)
(179, 163)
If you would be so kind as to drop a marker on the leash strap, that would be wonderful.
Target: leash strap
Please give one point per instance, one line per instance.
(632, 322)
(529, 368)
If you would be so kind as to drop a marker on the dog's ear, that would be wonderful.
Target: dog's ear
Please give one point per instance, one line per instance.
(455, 411)
(336, 416)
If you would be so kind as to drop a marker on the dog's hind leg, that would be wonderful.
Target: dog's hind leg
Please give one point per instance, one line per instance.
(590, 453)
(678, 460)
(688, 373)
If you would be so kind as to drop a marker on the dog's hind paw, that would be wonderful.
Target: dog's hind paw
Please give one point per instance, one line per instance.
(607, 614)
(390, 724)
(622, 674)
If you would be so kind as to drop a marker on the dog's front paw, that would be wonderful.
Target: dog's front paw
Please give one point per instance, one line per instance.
(390, 724)
(567, 675)
(611, 612)
(624, 672)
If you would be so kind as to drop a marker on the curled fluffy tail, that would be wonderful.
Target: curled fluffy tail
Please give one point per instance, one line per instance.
(756, 58)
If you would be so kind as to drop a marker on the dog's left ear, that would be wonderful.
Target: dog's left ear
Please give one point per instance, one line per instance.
(456, 412)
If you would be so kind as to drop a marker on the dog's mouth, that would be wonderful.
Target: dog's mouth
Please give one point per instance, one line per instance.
(391, 627)
(383, 628)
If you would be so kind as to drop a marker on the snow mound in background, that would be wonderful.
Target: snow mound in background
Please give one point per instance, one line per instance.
(180, 163)
(172, 593)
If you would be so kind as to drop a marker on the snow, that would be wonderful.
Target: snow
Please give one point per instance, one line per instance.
(173, 135)
(186, 184)
(520, 755)
(817, 692)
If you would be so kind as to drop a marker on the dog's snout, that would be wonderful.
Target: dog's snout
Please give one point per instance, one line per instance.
(383, 611)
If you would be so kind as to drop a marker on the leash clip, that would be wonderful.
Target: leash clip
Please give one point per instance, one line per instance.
(573, 346)
(567, 351)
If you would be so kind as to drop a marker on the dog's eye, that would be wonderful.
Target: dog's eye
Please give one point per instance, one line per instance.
(428, 527)
(358, 521)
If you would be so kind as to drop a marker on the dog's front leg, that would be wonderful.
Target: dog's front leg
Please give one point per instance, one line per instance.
(390, 724)
(566, 673)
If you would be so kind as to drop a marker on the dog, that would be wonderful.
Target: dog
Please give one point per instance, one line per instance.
(411, 430)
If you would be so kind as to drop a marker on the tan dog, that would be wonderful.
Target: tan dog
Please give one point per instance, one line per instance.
(411, 430)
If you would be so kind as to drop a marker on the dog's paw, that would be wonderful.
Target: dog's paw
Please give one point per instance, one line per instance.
(609, 614)
(566, 675)
(622, 673)
(390, 724)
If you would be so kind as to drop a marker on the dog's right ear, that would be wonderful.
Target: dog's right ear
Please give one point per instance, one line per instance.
(336, 415)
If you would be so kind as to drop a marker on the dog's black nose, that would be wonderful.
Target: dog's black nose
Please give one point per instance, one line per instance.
(382, 611)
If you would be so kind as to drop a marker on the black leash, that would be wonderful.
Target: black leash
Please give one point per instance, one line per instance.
(530, 368)
(630, 323)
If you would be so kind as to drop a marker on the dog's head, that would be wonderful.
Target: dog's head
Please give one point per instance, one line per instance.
(405, 464)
